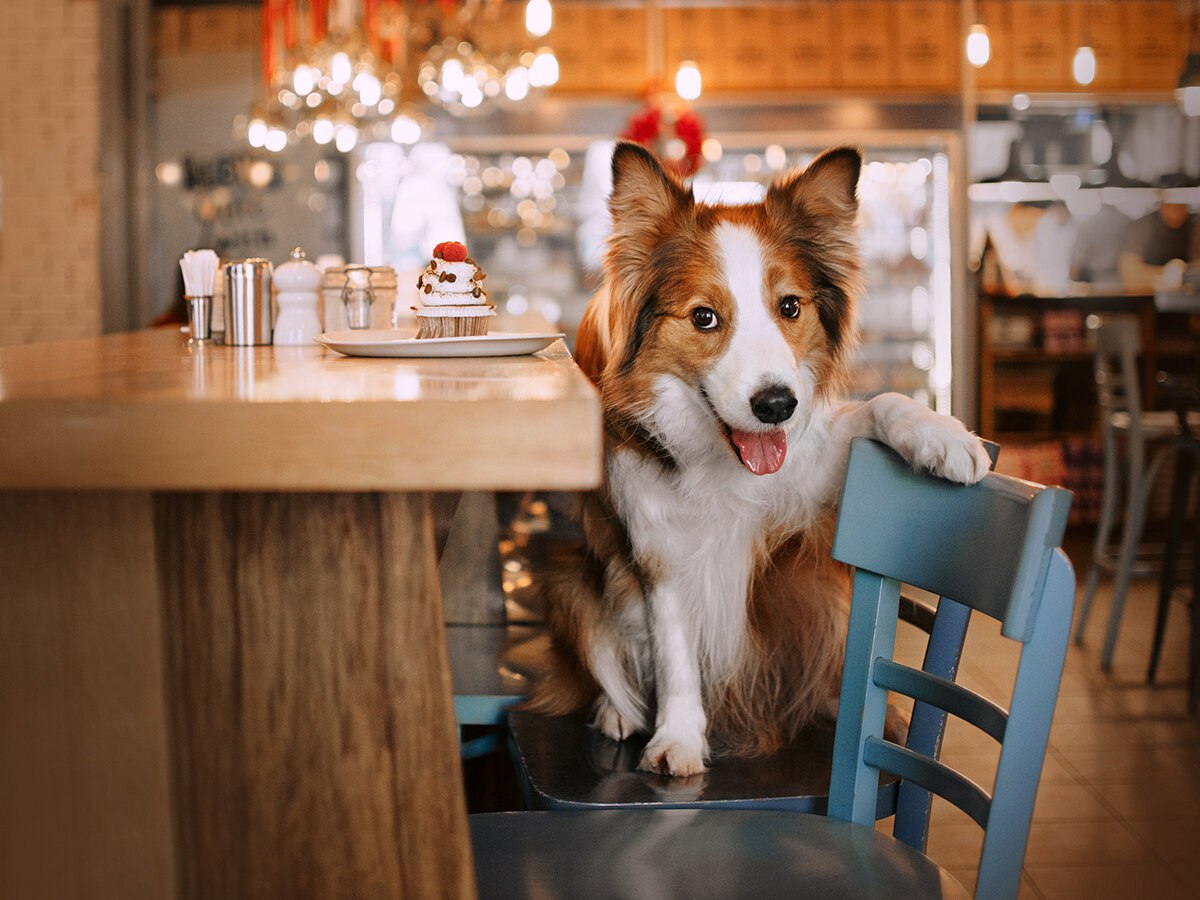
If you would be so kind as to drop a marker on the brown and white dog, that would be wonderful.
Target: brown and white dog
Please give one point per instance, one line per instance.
(706, 610)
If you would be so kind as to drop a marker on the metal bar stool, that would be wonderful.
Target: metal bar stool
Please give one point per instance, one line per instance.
(1117, 343)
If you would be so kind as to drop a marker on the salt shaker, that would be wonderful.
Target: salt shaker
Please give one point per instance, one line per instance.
(297, 282)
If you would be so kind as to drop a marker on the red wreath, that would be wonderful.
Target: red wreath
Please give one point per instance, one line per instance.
(655, 124)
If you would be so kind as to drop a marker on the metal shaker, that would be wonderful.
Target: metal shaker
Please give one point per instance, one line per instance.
(248, 312)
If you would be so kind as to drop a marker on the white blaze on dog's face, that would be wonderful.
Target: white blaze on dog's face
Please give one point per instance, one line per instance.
(750, 308)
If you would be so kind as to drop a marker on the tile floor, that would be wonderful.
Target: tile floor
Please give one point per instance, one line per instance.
(1118, 809)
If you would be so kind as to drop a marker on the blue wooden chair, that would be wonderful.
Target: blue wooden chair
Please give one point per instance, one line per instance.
(994, 548)
(563, 763)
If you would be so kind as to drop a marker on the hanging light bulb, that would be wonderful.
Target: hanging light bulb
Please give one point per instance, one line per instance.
(687, 80)
(345, 138)
(322, 131)
(516, 84)
(303, 81)
(406, 129)
(979, 46)
(538, 17)
(1084, 65)
(340, 68)
(275, 140)
(544, 70)
(256, 133)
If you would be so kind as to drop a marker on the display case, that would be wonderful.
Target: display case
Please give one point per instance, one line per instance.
(536, 220)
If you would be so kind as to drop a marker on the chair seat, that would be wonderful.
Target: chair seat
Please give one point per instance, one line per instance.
(1157, 423)
(568, 764)
(695, 854)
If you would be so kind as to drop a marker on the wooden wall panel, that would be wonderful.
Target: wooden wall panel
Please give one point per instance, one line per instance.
(868, 44)
(1156, 41)
(571, 40)
(1041, 58)
(753, 54)
(928, 47)
(998, 73)
(810, 42)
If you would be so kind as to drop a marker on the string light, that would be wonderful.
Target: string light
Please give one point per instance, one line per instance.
(538, 17)
(688, 83)
(979, 46)
(339, 77)
(1084, 65)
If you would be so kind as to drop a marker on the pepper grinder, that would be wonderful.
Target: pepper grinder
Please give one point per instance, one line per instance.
(297, 282)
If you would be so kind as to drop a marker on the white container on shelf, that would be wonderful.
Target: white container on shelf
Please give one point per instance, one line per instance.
(298, 284)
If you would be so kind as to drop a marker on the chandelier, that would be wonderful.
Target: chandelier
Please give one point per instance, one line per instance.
(351, 71)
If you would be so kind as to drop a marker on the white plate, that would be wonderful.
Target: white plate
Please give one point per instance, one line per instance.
(383, 342)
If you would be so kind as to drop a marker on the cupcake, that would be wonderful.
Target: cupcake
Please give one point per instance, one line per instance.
(453, 301)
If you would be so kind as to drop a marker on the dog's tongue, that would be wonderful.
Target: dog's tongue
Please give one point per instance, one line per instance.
(762, 452)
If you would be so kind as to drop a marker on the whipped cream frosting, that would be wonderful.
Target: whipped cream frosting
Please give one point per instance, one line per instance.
(451, 284)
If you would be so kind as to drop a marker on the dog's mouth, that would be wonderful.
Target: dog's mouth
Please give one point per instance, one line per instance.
(762, 452)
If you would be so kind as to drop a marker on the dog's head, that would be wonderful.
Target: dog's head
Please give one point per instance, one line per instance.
(748, 309)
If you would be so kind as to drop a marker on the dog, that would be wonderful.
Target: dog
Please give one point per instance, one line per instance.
(705, 610)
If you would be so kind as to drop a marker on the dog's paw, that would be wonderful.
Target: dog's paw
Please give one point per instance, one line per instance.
(942, 446)
(675, 755)
(611, 723)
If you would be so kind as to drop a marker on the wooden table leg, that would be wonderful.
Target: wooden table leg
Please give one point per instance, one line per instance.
(85, 806)
(315, 753)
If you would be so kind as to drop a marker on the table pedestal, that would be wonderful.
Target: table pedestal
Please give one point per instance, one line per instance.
(226, 695)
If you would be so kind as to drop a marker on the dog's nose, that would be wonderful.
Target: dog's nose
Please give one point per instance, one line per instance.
(773, 404)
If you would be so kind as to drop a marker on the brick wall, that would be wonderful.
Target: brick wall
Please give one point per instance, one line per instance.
(49, 170)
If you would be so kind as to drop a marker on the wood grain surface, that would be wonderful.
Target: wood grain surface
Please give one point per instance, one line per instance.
(312, 722)
(84, 784)
(147, 410)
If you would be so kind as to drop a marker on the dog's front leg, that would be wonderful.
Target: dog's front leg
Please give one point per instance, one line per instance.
(679, 746)
(928, 440)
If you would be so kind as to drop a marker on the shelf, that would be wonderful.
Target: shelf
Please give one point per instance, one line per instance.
(1040, 356)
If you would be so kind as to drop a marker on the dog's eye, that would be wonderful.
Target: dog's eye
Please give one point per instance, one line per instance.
(789, 306)
(704, 318)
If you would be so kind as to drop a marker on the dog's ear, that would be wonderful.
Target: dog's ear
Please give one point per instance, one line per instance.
(643, 196)
(827, 189)
(647, 204)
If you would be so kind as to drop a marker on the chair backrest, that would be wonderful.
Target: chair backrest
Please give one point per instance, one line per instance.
(993, 547)
(1116, 344)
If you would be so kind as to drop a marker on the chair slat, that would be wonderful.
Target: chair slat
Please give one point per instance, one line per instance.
(931, 775)
(942, 657)
(953, 698)
(925, 532)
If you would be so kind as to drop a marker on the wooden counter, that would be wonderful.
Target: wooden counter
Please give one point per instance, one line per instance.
(149, 411)
(223, 669)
